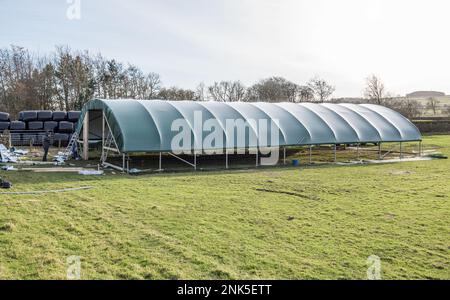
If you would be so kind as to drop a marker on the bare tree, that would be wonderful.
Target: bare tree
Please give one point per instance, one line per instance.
(306, 94)
(375, 90)
(407, 107)
(322, 89)
(153, 82)
(447, 109)
(46, 86)
(432, 104)
(228, 91)
(201, 92)
(175, 93)
(67, 79)
(18, 79)
(274, 89)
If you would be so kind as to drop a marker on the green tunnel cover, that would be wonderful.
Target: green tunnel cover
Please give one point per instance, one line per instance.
(147, 125)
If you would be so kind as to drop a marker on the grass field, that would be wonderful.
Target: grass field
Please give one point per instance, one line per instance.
(281, 223)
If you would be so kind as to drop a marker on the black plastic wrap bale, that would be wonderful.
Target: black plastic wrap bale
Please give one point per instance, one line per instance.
(59, 116)
(39, 138)
(36, 125)
(16, 139)
(62, 138)
(4, 117)
(29, 138)
(65, 126)
(17, 125)
(45, 115)
(51, 125)
(30, 115)
(4, 125)
(73, 116)
(20, 116)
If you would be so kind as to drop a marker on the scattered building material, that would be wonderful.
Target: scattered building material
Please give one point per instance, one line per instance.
(35, 163)
(4, 184)
(57, 170)
(6, 156)
(438, 156)
(135, 171)
(90, 172)
(387, 161)
(9, 168)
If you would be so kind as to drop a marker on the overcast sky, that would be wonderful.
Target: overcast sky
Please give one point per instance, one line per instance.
(405, 42)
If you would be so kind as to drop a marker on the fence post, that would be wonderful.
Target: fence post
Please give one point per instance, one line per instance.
(86, 136)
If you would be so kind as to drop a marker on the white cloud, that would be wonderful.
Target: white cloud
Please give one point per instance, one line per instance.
(403, 41)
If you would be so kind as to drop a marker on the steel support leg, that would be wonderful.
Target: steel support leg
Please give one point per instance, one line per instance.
(335, 155)
(257, 156)
(357, 151)
(401, 150)
(103, 134)
(310, 154)
(226, 159)
(379, 151)
(195, 161)
(160, 161)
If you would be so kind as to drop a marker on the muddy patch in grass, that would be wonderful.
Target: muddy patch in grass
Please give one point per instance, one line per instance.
(299, 195)
(401, 172)
(7, 227)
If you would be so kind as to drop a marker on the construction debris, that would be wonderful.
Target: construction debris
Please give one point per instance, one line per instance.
(438, 156)
(60, 158)
(90, 172)
(8, 168)
(5, 184)
(56, 170)
(11, 155)
(135, 171)
(35, 163)
(19, 151)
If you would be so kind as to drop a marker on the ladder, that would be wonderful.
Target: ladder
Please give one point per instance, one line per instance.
(109, 140)
(68, 152)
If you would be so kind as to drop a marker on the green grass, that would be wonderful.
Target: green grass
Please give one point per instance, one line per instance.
(279, 223)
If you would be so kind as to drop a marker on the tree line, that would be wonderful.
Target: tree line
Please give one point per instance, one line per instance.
(375, 92)
(66, 79)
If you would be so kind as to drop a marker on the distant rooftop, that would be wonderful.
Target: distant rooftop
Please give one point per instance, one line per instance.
(425, 94)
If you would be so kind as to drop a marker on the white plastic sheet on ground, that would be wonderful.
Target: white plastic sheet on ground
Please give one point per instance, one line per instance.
(8, 156)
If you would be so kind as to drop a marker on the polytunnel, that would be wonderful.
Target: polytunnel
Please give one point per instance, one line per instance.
(133, 126)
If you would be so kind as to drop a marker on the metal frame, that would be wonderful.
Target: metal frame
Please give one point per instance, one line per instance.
(194, 165)
(106, 128)
(107, 148)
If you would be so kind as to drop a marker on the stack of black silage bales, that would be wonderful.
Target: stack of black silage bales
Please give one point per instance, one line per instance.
(4, 121)
(32, 125)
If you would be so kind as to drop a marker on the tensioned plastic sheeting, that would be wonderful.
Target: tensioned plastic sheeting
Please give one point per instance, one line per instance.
(146, 125)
